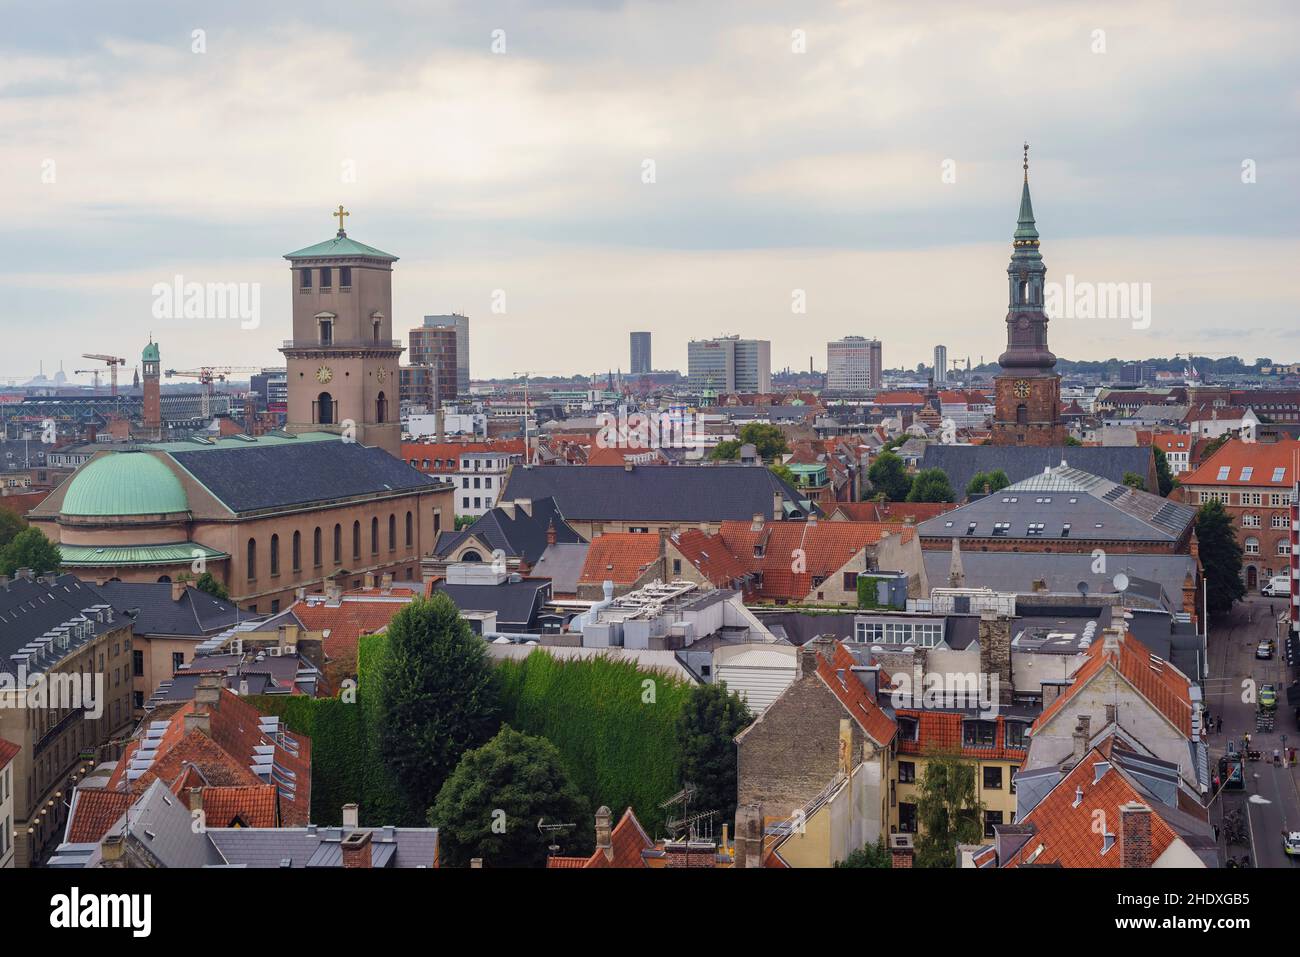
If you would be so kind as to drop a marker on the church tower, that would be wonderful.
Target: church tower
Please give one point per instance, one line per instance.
(1028, 392)
(342, 360)
(151, 410)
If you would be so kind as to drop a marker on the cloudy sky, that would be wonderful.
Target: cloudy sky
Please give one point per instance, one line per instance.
(865, 154)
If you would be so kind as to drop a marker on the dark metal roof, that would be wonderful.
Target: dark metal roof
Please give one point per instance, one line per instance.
(197, 614)
(275, 476)
(523, 536)
(654, 493)
(962, 462)
(515, 603)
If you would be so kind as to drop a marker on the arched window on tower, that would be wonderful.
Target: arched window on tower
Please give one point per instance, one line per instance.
(338, 544)
(1024, 291)
(375, 327)
(250, 559)
(315, 548)
(381, 408)
(296, 551)
(325, 409)
(410, 529)
(275, 554)
(374, 536)
(392, 533)
(1022, 414)
(356, 540)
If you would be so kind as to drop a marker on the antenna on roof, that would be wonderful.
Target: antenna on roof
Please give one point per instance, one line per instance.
(548, 829)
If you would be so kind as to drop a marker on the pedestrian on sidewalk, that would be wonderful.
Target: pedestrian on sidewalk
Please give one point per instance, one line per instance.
(1277, 757)
(1218, 725)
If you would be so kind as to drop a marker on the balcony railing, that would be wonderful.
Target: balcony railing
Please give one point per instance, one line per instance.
(343, 344)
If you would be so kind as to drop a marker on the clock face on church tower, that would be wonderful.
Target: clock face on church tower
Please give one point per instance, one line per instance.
(324, 374)
(1021, 389)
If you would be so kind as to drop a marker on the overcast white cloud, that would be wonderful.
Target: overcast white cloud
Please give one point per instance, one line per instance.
(775, 170)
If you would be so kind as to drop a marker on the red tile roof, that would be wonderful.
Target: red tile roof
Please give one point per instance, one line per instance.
(347, 621)
(1163, 686)
(246, 806)
(893, 511)
(1260, 457)
(943, 730)
(8, 751)
(1069, 834)
(621, 557)
(628, 840)
(852, 693)
(899, 398)
(449, 452)
(94, 811)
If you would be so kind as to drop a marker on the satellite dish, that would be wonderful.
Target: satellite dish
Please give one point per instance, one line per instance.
(1083, 589)
(1121, 582)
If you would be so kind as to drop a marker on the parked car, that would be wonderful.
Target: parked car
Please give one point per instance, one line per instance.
(1291, 843)
(1264, 649)
(1276, 587)
(1267, 698)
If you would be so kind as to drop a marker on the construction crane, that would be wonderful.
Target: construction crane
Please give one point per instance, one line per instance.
(94, 373)
(206, 376)
(112, 361)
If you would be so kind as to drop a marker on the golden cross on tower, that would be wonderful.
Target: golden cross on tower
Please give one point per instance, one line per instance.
(340, 213)
(1026, 168)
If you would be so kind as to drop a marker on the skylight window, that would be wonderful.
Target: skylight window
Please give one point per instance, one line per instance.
(1224, 472)
(1279, 474)
(1246, 472)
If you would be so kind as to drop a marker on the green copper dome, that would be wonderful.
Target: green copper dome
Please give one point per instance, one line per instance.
(124, 483)
(150, 353)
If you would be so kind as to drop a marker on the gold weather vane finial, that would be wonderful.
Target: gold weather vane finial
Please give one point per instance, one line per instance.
(340, 213)
(1026, 168)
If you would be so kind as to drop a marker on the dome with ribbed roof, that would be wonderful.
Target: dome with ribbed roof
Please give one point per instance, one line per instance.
(124, 483)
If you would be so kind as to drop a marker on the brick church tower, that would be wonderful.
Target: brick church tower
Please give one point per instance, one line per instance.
(151, 415)
(1028, 392)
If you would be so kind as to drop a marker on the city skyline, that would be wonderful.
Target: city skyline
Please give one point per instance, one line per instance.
(484, 207)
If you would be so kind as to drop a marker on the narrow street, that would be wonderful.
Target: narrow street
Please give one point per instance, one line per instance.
(1271, 799)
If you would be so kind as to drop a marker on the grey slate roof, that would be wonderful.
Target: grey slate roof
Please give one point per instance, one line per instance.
(197, 614)
(1062, 571)
(320, 846)
(963, 462)
(1095, 508)
(28, 609)
(523, 536)
(612, 493)
(160, 824)
(516, 603)
(562, 564)
(277, 475)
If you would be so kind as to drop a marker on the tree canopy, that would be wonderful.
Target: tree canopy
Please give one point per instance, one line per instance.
(947, 809)
(996, 481)
(30, 549)
(1220, 557)
(438, 696)
(706, 731)
(11, 523)
(493, 802)
(931, 485)
(889, 477)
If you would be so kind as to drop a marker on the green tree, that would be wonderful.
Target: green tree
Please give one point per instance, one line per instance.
(465, 521)
(1214, 445)
(1071, 440)
(438, 696)
(889, 475)
(706, 730)
(11, 523)
(492, 803)
(30, 549)
(1220, 557)
(1133, 480)
(206, 583)
(783, 472)
(931, 485)
(869, 855)
(948, 811)
(1164, 478)
(996, 481)
(769, 440)
(727, 450)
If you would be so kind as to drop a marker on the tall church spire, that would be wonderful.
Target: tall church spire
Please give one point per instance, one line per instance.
(1026, 232)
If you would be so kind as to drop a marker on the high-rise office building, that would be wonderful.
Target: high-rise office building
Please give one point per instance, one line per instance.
(853, 364)
(940, 364)
(729, 364)
(461, 325)
(433, 375)
(641, 353)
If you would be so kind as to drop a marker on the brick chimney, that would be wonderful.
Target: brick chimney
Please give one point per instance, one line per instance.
(178, 591)
(198, 721)
(550, 533)
(196, 799)
(351, 817)
(901, 850)
(1134, 835)
(995, 653)
(368, 580)
(604, 833)
(356, 849)
(207, 695)
(1081, 739)
(749, 836)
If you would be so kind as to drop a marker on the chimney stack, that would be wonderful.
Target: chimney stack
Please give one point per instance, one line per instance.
(1081, 738)
(198, 721)
(369, 580)
(901, 850)
(550, 533)
(749, 836)
(1134, 835)
(178, 590)
(604, 834)
(208, 692)
(196, 799)
(351, 817)
(356, 850)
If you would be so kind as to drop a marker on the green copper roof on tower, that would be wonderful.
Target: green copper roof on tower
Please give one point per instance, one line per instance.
(341, 247)
(1025, 229)
(150, 353)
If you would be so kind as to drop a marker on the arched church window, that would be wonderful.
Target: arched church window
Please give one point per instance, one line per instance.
(325, 409)
(250, 559)
(381, 408)
(1022, 414)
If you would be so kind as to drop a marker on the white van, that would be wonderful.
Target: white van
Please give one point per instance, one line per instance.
(1276, 586)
